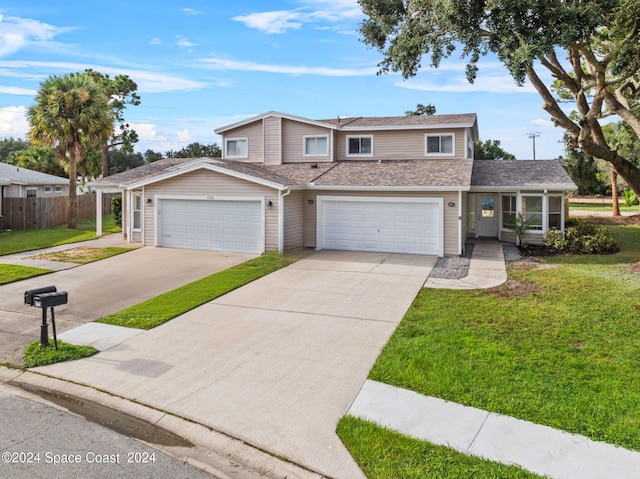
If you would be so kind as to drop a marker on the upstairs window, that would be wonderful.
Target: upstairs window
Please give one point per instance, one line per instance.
(236, 148)
(436, 145)
(360, 146)
(316, 146)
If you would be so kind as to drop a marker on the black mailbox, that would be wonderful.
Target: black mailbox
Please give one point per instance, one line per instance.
(30, 294)
(48, 300)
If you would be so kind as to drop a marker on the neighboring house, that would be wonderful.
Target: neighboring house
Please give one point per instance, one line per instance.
(391, 184)
(17, 182)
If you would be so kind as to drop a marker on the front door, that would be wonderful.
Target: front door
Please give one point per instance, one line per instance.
(487, 216)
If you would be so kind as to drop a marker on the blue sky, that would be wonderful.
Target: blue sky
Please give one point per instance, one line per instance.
(202, 64)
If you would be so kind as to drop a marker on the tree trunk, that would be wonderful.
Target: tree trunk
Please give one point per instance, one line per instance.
(73, 198)
(105, 161)
(615, 211)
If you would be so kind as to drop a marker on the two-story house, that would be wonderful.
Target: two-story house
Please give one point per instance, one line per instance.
(404, 184)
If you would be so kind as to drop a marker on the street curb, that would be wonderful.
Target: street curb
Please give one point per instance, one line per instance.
(229, 449)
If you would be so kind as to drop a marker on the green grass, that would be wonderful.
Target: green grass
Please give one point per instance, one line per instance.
(602, 207)
(165, 307)
(10, 273)
(36, 355)
(17, 241)
(384, 454)
(558, 346)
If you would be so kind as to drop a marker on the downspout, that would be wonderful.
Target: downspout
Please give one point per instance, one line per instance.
(281, 219)
(460, 238)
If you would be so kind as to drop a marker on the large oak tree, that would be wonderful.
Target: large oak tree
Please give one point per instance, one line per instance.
(592, 48)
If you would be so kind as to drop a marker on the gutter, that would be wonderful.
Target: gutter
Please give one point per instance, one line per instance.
(281, 197)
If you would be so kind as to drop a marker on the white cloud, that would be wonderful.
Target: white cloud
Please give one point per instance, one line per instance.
(148, 82)
(184, 43)
(312, 11)
(543, 123)
(223, 64)
(14, 90)
(155, 41)
(18, 33)
(13, 122)
(452, 79)
(192, 11)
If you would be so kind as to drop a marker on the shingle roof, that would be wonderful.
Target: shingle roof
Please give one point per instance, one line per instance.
(521, 173)
(24, 176)
(467, 119)
(414, 173)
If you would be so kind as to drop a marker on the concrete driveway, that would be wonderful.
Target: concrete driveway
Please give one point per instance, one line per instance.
(101, 288)
(275, 363)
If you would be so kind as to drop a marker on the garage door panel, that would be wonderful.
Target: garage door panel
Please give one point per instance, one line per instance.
(382, 225)
(219, 225)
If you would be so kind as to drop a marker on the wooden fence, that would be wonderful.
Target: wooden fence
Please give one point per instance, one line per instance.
(38, 213)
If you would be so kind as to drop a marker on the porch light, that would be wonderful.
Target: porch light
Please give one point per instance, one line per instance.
(451, 203)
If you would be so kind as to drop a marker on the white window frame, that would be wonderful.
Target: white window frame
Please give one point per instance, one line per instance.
(439, 135)
(359, 155)
(48, 189)
(543, 211)
(549, 212)
(503, 226)
(226, 147)
(58, 189)
(316, 137)
(136, 208)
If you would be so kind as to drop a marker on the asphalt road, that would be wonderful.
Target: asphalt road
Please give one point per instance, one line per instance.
(41, 441)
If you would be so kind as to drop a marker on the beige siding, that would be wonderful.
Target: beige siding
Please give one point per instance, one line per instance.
(20, 191)
(294, 220)
(399, 144)
(272, 140)
(207, 183)
(450, 214)
(253, 132)
(293, 133)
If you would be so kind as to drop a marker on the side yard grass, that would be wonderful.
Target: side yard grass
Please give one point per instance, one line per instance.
(158, 310)
(10, 273)
(558, 344)
(17, 241)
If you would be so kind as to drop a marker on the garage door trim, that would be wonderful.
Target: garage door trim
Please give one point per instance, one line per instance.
(159, 198)
(322, 200)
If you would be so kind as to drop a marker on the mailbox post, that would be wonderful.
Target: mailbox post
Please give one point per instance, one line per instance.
(44, 298)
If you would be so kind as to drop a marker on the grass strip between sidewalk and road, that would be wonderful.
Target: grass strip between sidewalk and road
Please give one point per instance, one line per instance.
(158, 310)
(385, 454)
(36, 355)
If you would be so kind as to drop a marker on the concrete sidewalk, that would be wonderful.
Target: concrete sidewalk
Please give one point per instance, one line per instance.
(540, 449)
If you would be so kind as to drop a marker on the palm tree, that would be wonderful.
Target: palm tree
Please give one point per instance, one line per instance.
(70, 111)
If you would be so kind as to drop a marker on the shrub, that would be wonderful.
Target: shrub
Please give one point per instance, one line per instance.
(116, 207)
(580, 237)
(630, 198)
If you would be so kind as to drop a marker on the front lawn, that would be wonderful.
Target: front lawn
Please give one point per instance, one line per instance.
(10, 273)
(602, 207)
(17, 241)
(558, 344)
(158, 310)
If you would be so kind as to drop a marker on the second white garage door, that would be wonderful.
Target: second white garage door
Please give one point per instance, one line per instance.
(390, 225)
(217, 225)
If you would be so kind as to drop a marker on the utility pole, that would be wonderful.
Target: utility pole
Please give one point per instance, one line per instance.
(533, 136)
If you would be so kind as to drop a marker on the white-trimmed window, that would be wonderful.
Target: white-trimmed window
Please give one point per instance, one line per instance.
(236, 148)
(316, 145)
(58, 189)
(360, 145)
(509, 211)
(532, 211)
(48, 189)
(137, 211)
(32, 192)
(555, 212)
(439, 145)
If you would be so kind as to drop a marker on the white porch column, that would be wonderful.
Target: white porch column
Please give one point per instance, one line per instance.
(98, 211)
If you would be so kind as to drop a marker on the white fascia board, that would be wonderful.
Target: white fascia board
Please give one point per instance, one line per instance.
(262, 116)
(208, 166)
(387, 188)
(507, 189)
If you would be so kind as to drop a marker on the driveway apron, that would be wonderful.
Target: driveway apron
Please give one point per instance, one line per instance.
(275, 363)
(102, 288)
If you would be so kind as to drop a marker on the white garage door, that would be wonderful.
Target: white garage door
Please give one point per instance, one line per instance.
(390, 225)
(217, 225)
